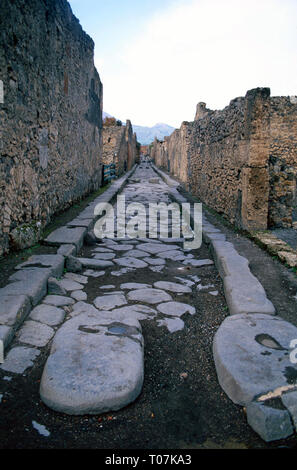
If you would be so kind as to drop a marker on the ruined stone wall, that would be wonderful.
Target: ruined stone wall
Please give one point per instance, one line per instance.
(120, 147)
(240, 161)
(51, 117)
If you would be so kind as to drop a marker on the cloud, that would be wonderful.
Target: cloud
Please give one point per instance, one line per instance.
(203, 50)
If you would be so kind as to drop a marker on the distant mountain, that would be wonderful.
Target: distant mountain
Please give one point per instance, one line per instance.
(146, 135)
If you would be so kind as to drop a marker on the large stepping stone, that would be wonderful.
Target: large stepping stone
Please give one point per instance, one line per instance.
(67, 235)
(251, 354)
(95, 364)
(149, 296)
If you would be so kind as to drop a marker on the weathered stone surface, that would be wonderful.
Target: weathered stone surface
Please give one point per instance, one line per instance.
(172, 286)
(95, 263)
(70, 285)
(29, 282)
(54, 287)
(76, 277)
(73, 264)
(108, 302)
(149, 296)
(6, 334)
(156, 248)
(47, 314)
(271, 424)
(134, 285)
(122, 247)
(58, 300)
(175, 309)
(67, 250)
(14, 309)
(136, 253)
(68, 236)
(19, 359)
(93, 368)
(35, 333)
(79, 295)
(172, 324)
(104, 256)
(251, 355)
(197, 263)
(290, 402)
(55, 263)
(81, 222)
(130, 262)
(155, 261)
(90, 272)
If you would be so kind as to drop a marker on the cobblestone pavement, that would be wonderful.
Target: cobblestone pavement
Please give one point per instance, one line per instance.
(143, 314)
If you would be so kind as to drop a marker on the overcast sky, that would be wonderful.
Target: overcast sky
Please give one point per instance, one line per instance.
(158, 58)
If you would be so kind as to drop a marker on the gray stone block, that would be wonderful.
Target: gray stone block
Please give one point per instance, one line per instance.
(95, 263)
(271, 424)
(54, 263)
(14, 309)
(19, 359)
(35, 333)
(251, 355)
(67, 250)
(54, 287)
(95, 365)
(73, 264)
(290, 402)
(29, 282)
(6, 334)
(67, 235)
(47, 314)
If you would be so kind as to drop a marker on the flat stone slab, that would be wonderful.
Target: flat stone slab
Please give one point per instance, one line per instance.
(176, 309)
(48, 314)
(58, 300)
(156, 248)
(91, 273)
(130, 262)
(198, 263)
(14, 309)
(155, 261)
(68, 236)
(122, 247)
(55, 263)
(149, 296)
(35, 333)
(29, 282)
(270, 423)
(175, 255)
(95, 365)
(19, 359)
(79, 295)
(95, 263)
(172, 286)
(172, 324)
(81, 222)
(136, 253)
(134, 285)
(110, 301)
(67, 250)
(70, 285)
(103, 250)
(104, 256)
(76, 277)
(251, 354)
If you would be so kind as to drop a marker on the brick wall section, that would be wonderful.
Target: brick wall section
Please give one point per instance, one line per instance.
(51, 118)
(240, 161)
(120, 147)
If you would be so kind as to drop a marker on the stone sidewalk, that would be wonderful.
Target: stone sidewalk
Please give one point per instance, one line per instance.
(93, 320)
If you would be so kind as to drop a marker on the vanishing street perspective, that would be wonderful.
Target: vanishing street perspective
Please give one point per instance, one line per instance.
(148, 273)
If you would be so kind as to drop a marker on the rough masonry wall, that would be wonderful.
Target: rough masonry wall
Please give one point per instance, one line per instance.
(51, 118)
(120, 147)
(240, 161)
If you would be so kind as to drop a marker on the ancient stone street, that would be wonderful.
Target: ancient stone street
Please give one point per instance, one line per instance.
(140, 333)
